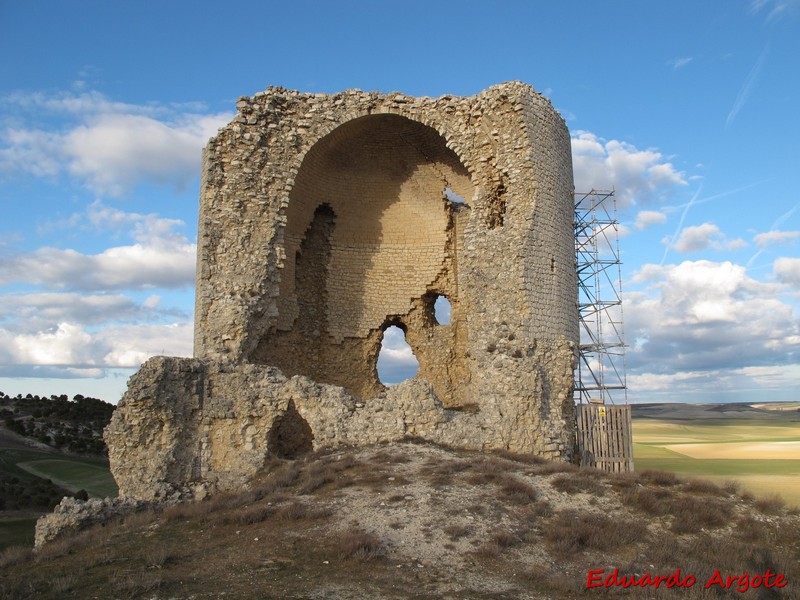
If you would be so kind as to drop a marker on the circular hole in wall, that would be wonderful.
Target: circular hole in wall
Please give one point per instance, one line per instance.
(441, 310)
(396, 360)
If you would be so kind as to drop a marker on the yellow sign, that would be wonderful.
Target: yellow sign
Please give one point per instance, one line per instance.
(601, 411)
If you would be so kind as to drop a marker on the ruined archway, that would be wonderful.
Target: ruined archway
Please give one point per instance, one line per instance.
(386, 241)
(290, 435)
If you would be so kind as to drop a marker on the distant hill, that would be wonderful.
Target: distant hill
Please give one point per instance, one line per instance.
(74, 426)
(677, 411)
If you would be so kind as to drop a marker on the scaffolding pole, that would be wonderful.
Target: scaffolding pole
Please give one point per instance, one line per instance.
(600, 377)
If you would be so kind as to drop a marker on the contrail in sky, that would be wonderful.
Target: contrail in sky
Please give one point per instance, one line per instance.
(778, 222)
(680, 224)
(694, 201)
(744, 93)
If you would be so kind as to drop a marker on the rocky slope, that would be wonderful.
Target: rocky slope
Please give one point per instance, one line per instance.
(413, 520)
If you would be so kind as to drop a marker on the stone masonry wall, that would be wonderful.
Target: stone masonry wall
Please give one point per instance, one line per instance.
(324, 219)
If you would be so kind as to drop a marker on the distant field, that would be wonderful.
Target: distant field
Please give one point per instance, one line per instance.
(95, 479)
(16, 532)
(69, 472)
(762, 454)
(72, 473)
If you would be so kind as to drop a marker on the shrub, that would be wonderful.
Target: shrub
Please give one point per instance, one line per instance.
(572, 531)
(653, 502)
(582, 481)
(250, 516)
(15, 555)
(770, 505)
(360, 545)
(693, 514)
(516, 490)
(703, 486)
(662, 478)
(455, 532)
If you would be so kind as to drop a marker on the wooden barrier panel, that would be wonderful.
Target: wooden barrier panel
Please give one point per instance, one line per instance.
(605, 440)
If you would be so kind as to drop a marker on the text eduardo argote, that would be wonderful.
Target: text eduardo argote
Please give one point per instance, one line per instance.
(599, 578)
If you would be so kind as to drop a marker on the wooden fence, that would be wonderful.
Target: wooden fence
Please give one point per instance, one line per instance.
(604, 437)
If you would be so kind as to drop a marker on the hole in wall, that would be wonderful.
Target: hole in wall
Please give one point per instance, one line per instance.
(441, 310)
(291, 435)
(396, 360)
(450, 195)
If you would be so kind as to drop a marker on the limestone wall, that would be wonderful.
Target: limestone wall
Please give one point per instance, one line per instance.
(186, 426)
(324, 219)
(378, 165)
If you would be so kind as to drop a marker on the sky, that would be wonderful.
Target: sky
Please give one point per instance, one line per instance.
(688, 110)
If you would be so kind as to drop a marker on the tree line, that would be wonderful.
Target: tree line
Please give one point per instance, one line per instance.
(72, 425)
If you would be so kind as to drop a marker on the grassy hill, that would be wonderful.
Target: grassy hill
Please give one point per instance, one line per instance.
(418, 521)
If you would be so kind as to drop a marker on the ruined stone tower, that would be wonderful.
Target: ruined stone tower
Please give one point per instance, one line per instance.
(324, 219)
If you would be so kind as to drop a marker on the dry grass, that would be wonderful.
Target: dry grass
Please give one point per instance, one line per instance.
(691, 513)
(249, 516)
(770, 505)
(526, 459)
(654, 502)
(502, 528)
(571, 531)
(694, 514)
(581, 482)
(455, 532)
(363, 546)
(15, 555)
(660, 478)
(516, 490)
(703, 486)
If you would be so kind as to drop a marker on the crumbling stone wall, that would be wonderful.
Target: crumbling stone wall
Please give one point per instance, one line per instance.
(324, 219)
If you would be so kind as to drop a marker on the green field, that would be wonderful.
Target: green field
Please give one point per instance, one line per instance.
(16, 532)
(762, 455)
(70, 472)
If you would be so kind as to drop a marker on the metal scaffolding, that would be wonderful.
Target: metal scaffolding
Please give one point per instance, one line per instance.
(600, 376)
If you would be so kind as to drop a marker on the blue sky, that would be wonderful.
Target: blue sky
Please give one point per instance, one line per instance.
(688, 109)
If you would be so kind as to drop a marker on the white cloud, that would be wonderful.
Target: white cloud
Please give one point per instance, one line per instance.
(67, 344)
(787, 270)
(160, 258)
(71, 346)
(131, 345)
(700, 237)
(113, 146)
(678, 63)
(85, 103)
(702, 316)
(39, 311)
(636, 175)
(663, 382)
(396, 360)
(30, 151)
(122, 267)
(646, 218)
(115, 152)
(776, 237)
